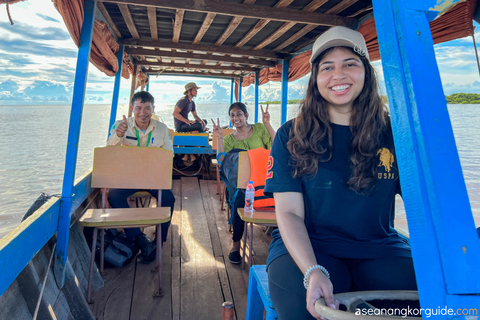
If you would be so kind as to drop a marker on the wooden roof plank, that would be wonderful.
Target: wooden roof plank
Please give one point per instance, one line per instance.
(232, 26)
(127, 16)
(152, 20)
(311, 7)
(203, 29)
(246, 11)
(260, 24)
(295, 37)
(212, 57)
(193, 73)
(342, 5)
(107, 17)
(196, 66)
(178, 25)
(206, 48)
(229, 30)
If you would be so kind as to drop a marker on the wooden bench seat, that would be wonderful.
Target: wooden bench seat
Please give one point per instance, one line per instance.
(125, 217)
(129, 168)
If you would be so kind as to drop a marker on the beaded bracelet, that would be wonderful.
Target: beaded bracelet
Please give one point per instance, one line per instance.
(322, 268)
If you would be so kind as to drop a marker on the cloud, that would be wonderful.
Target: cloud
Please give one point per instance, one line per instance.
(27, 32)
(48, 91)
(9, 86)
(47, 18)
(35, 48)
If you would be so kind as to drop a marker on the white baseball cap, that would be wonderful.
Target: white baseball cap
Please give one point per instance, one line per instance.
(339, 37)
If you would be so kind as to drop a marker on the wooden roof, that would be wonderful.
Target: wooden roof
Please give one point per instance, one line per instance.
(230, 38)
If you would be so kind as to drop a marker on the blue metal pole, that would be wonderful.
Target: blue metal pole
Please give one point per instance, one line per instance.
(240, 89)
(148, 84)
(116, 88)
(232, 90)
(444, 242)
(257, 79)
(285, 64)
(72, 142)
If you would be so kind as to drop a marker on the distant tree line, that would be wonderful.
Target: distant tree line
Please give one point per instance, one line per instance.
(454, 98)
(295, 101)
(463, 98)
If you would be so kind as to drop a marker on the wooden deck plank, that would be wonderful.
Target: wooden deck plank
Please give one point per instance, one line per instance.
(113, 301)
(176, 250)
(238, 281)
(144, 305)
(199, 275)
(208, 199)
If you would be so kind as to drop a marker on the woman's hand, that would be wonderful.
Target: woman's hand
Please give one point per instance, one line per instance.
(217, 130)
(319, 286)
(265, 115)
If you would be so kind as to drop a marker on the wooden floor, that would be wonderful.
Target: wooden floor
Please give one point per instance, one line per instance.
(197, 276)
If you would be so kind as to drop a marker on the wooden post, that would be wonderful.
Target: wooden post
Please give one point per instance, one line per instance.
(132, 89)
(285, 66)
(240, 89)
(257, 79)
(443, 238)
(79, 89)
(228, 311)
(116, 88)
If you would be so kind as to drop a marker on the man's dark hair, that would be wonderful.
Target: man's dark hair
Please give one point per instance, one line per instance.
(143, 96)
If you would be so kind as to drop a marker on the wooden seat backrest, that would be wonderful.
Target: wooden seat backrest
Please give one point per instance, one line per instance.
(172, 133)
(244, 170)
(124, 167)
(225, 132)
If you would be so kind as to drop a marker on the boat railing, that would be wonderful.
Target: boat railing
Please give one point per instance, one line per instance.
(21, 244)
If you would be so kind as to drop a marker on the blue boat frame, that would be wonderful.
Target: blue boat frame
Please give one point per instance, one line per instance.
(444, 243)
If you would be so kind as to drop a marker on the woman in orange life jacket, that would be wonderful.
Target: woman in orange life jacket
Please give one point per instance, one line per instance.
(246, 136)
(334, 177)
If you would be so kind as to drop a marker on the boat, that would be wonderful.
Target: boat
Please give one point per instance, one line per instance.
(44, 261)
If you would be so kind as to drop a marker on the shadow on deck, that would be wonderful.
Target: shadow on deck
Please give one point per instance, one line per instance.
(197, 276)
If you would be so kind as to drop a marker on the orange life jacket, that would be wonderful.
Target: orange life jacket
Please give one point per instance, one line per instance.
(258, 165)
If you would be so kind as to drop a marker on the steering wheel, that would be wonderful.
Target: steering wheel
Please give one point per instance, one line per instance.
(353, 299)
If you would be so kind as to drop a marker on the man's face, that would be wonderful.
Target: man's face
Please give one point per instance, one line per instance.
(193, 92)
(143, 112)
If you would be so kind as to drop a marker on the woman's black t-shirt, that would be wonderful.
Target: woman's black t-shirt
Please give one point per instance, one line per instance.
(341, 222)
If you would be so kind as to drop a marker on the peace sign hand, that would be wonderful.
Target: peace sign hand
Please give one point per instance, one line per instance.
(217, 130)
(265, 115)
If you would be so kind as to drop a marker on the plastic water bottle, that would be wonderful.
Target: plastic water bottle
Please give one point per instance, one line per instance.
(249, 197)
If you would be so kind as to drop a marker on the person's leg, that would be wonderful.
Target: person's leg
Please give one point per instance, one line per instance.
(385, 274)
(118, 199)
(395, 273)
(188, 128)
(168, 200)
(285, 281)
(237, 226)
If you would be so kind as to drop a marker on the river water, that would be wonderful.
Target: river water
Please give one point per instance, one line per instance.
(34, 138)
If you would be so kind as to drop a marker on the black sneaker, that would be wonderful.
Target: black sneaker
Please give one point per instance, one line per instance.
(148, 248)
(235, 257)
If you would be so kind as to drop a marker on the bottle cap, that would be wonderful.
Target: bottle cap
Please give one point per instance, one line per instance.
(250, 182)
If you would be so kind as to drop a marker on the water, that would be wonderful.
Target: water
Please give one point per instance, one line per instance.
(34, 139)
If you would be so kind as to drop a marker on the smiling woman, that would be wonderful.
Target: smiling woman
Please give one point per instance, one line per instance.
(334, 178)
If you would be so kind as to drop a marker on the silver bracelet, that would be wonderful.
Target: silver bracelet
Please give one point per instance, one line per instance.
(317, 266)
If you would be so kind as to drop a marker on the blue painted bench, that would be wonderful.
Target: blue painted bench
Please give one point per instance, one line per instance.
(259, 295)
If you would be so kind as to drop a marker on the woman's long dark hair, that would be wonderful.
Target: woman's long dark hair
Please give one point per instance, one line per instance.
(311, 135)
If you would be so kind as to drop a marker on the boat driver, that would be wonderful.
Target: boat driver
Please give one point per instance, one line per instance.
(183, 107)
(142, 131)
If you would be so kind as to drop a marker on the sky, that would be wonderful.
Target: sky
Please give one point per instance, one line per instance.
(38, 58)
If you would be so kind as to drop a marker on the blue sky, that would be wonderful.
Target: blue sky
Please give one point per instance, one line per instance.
(38, 56)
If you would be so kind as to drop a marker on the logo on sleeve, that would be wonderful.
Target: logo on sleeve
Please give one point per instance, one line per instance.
(386, 161)
(269, 168)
